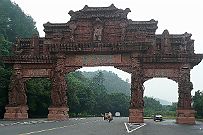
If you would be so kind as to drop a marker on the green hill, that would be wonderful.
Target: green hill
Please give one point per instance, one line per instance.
(112, 82)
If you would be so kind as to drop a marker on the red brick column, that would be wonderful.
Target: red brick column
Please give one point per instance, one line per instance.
(17, 106)
(58, 109)
(137, 103)
(185, 113)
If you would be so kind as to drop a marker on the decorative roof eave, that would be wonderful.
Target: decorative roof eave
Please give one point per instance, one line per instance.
(142, 25)
(89, 9)
(196, 59)
(185, 35)
(99, 12)
(48, 24)
(152, 21)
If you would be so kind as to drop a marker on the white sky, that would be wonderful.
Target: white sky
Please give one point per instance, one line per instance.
(178, 16)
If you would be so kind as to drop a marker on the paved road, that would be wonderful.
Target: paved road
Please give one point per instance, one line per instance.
(96, 126)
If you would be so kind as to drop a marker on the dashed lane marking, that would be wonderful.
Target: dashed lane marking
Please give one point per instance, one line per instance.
(25, 123)
(50, 129)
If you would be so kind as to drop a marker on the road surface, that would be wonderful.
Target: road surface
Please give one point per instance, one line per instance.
(97, 126)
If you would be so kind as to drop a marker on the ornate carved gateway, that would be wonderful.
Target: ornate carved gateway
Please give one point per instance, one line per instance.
(102, 36)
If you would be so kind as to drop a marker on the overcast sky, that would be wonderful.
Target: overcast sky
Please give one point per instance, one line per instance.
(178, 16)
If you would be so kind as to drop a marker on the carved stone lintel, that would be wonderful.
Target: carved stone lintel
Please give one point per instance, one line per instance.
(136, 116)
(16, 113)
(58, 113)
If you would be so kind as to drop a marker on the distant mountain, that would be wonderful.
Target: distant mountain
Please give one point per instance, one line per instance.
(112, 82)
(163, 102)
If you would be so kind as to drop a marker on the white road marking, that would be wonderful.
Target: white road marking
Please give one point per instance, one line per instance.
(130, 124)
(26, 123)
(50, 129)
(126, 127)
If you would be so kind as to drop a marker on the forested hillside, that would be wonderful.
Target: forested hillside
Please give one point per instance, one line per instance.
(112, 82)
(13, 23)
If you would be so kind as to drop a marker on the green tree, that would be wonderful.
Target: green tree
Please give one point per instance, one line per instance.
(5, 73)
(38, 95)
(5, 46)
(151, 106)
(119, 102)
(198, 103)
(81, 98)
(99, 79)
(14, 22)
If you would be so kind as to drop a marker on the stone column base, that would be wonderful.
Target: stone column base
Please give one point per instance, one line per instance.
(16, 113)
(136, 116)
(58, 113)
(185, 116)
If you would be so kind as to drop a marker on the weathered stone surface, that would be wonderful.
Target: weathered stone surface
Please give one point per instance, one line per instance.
(136, 116)
(185, 117)
(102, 36)
(58, 113)
(17, 95)
(16, 113)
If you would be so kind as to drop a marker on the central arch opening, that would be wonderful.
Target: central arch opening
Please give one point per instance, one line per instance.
(92, 91)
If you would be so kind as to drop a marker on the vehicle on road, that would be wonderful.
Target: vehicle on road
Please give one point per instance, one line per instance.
(108, 116)
(117, 114)
(158, 118)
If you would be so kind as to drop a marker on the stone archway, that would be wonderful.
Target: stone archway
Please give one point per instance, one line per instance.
(102, 37)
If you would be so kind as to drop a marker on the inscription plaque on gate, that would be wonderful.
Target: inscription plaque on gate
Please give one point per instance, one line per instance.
(98, 60)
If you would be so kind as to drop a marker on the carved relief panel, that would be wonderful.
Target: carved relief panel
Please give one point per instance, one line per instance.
(17, 90)
(185, 88)
(83, 32)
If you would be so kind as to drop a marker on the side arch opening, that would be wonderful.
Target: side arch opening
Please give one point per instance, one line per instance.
(38, 97)
(161, 97)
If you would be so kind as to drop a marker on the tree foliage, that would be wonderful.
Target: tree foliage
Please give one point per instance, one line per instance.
(5, 73)
(38, 95)
(14, 22)
(5, 46)
(112, 82)
(152, 107)
(198, 103)
(89, 96)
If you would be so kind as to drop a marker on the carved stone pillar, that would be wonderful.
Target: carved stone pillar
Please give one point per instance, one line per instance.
(137, 103)
(58, 109)
(185, 113)
(17, 106)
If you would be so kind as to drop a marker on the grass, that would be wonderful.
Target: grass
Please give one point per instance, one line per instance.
(200, 120)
